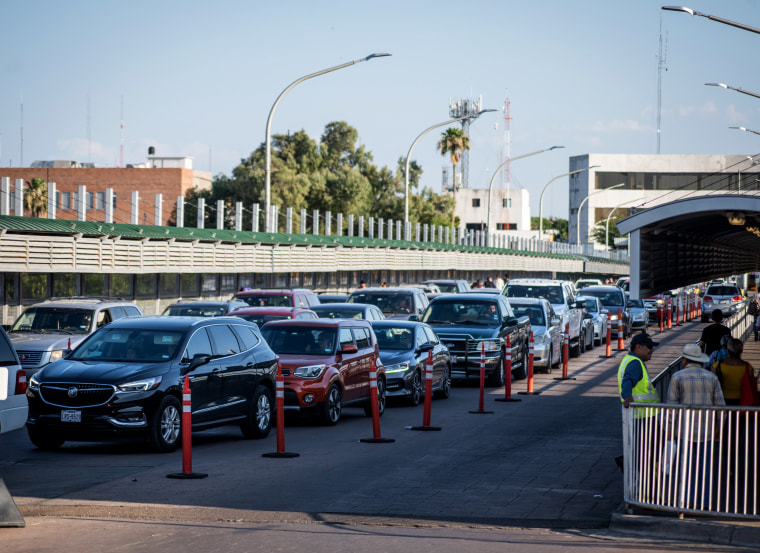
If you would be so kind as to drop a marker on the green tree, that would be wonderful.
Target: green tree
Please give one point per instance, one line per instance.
(35, 197)
(600, 232)
(560, 226)
(453, 142)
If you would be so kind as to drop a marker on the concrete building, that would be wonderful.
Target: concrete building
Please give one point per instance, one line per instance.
(508, 211)
(168, 176)
(623, 182)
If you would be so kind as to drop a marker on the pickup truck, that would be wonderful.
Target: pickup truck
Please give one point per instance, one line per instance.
(469, 323)
(560, 294)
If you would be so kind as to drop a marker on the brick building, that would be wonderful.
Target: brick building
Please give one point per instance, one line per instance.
(169, 176)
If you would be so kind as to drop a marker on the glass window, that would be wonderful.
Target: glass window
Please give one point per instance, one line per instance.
(421, 338)
(228, 283)
(64, 284)
(103, 318)
(223, 340)
(506, 202)
(121, 285)
(167, 285)
(65, 200)
(132, 311)
(431, 335)
(7, 353)
(100, 201)
(145, 284)
(362, 338)
(246, 336)
(199, 344)
(33, 286)
(189, 284)
(476, 202)
(208, 284)
(345, 337)
(94, 284)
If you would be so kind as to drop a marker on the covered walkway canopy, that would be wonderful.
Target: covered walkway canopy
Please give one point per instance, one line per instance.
(692, 240)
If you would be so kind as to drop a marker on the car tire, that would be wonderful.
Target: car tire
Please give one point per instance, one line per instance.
(43, 440)
(520, 372)
(416, 391)
(332, 407)
(381, 399)
(582, 342)
(258, 423)
(549, 361)
(590, 331)
(166, 426)
(445, 390)
(498, 378)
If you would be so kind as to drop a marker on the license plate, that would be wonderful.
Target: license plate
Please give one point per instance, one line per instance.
(71, 415)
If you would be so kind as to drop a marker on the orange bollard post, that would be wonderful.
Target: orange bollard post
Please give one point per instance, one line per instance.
(608, 349)
(507, 373)
(669, 313)
(531, 359)
(621, 345)
(428, 396)
(374, 400)
(187, 441)
(659, 316)
(481, 410)
(280, 417)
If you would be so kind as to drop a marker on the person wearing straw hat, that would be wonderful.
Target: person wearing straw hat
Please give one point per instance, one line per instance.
(695, 386)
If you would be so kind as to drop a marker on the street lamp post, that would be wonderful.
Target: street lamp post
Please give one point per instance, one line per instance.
(580, 207)
(745, 129)
(409, 156)
(728, 87)
(712, 17)
(268, 155)
(499, 168)
(607, 224)
(541, 200)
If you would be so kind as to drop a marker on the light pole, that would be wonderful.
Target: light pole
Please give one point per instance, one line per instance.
(580, 207)
(727, 87)
(541, 200)
(499, 168)
(409, 155)
(712, 17)
(268, 155)
(745, 129)
(607, 225)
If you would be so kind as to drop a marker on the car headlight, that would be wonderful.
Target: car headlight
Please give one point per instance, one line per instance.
(34, 384)
(491, 345)
(310, 371)
(56, 355)
(140, 385)
(613, 317)
(397, 368)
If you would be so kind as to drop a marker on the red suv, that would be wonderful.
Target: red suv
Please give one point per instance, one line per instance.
(282, 297)
(326, 364)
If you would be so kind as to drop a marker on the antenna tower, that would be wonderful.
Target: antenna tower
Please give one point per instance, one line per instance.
(121, 144)
(89, 131)
(462, 108)
(661, 64)
(506, 177)
(22, 130)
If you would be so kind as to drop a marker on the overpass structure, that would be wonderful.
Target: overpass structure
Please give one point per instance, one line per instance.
(692, 240)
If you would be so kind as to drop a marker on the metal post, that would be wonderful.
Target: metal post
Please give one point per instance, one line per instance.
(302, 225)
(238, 216)
(158, 205)
(255, 218)
(289, 220)
(200, 220)
(180, 211)
(339, 225)
(52, 200)
(350, 228)
(360, 228)
(315, 222)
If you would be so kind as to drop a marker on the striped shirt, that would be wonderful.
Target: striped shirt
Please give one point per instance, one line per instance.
(696, 386)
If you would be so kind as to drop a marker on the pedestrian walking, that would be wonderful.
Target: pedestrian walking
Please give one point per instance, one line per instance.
(754, 309)
(711, 334)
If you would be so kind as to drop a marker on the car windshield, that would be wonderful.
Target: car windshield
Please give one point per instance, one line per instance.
(395, 338)
(447, 287)
(60, 320)
(338, 313)
(636, 303)
(391, 302)
(591, 306)
(614, 299)
(533, 312)
(300, 340)
(196, 310)
(462, 312)
(722, 291)
(551, 293)
(130, 345)
(267, 300)
(260, 319)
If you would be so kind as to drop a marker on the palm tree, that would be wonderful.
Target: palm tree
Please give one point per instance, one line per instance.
(35, 197)
(454, 141)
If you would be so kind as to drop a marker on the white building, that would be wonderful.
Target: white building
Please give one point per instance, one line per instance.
(621, 182)
(508, 211)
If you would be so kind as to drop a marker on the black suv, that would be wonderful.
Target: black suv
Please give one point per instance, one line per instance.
(126, 381)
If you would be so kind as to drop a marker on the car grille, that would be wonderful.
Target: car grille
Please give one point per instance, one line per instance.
(459, 344)
(76, 395)
(29, 358)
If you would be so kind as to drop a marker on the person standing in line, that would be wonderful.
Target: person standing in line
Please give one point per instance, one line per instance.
(695, 386)
(499, 283)
(754, 309)
(634, 385)
(711, 334)
(362, 284)
(489, 283)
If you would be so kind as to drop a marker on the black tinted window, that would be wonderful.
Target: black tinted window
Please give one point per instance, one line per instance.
(246, 336)
(199, 344)
(224, 340)
(361, 335)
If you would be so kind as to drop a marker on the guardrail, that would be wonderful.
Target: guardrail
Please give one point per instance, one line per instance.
(696, 460)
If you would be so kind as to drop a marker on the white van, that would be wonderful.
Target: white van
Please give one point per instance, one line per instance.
(13, 404)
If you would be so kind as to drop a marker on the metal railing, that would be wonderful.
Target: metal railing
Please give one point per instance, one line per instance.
(696, 460)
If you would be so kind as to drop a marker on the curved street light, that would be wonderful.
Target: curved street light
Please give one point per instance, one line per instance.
(607, 224)
(541, 200)
(268, 155)
(580, 207)
(712, 17)
(499, 168)
(727, 87)
(745, 129)
(409, 155)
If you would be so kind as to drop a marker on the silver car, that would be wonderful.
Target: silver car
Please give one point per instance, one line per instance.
(599, 317)
(725, 297)
(545, 325)
(639, 313)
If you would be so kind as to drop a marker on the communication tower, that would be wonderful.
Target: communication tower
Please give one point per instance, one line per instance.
(463, 108)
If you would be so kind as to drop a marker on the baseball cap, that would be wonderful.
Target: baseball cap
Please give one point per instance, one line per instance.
(643, 339)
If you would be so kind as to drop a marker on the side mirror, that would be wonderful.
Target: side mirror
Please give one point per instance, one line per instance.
(556, 322)
(426, 347)
(414, 318)
(511, 321)
(349, 348)
(197, 360)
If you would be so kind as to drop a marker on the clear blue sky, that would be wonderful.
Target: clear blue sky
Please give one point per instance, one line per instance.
(199, 78)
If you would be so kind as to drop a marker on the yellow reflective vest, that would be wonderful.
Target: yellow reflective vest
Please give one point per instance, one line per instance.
(643, 391)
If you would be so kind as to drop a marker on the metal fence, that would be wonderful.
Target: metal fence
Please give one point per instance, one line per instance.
(697, 460)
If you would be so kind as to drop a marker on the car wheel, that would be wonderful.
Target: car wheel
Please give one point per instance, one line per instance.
(549, 361)
(165, 431)
(445, 390)
(416, 390)
(520, 372)
(332, 407)
(258, 423)
(582, 343)
(590, 333)
(43, 440)
(381, 398)
(498, 378)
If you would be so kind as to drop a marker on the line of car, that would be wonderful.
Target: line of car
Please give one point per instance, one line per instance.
(98, 369)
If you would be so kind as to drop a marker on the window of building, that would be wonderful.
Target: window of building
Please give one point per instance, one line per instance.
(167, 285)
(65, 200)
(64, 284)
(228, 283)
(476, 202)
(189, 284)
(506, 226)
(100, 201)
(506, 202)
(121, 285)
(94, 284)
(208, 284)
(145, 285)
(33, 286)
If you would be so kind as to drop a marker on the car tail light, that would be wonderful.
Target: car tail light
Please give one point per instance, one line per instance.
(737, 298)
(707, 298)
(20, 382)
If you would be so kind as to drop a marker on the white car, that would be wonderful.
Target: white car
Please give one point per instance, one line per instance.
(545, 325)
(598, 315)
(13, 404)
